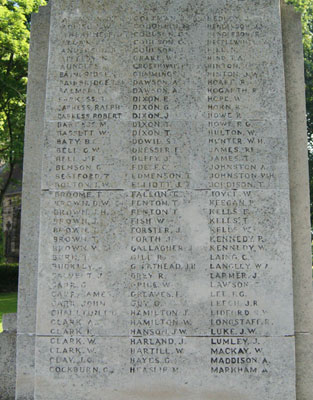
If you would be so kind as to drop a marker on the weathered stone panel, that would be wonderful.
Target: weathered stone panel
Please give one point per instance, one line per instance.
(8, 355)
(165, 265)
(34, 128)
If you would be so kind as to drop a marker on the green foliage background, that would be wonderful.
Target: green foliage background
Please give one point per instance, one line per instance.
(8, 277)
(14, 48)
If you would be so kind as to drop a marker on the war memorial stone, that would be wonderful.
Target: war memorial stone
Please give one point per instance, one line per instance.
(8, 356)
(156, 251)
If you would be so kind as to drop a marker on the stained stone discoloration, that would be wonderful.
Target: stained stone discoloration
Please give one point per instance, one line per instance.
(187, 216)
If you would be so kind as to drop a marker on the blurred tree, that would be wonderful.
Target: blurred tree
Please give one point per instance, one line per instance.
(14, 47)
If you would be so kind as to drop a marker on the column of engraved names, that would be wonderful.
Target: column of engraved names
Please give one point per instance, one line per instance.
(155, 318)
(236, 250)
(85, 106)
(78, 307)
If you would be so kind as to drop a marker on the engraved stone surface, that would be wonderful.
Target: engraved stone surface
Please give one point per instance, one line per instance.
(8, 354)
(164, 267)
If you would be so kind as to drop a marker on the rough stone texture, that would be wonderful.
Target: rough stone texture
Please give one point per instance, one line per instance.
(31, 202)
(165, 195)
(8, 355)
(299, 199)
(9, 322)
